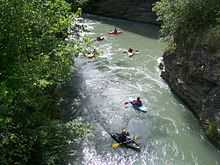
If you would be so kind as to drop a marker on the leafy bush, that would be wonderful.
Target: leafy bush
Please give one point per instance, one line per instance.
(56, 142)
(78, 3)
(50, 143)
(35, 59)
(212, 131)
(212, 39)
(186, 22)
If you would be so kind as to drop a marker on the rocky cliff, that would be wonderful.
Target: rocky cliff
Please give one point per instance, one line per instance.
(135, 10)
(195, 78)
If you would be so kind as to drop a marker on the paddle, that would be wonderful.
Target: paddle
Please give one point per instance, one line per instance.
(126, 103)
(116, 145)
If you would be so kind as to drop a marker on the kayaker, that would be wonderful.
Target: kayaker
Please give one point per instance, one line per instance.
(115, 31)
(94, 52)
(137, 102)
(124, 136)
(100, 38)
(130, 50)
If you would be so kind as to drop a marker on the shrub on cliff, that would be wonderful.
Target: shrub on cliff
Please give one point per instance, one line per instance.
(212, 39)
(212, 131)
(185, 23)
(75, 4)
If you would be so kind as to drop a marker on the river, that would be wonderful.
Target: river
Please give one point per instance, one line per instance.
(168, 132)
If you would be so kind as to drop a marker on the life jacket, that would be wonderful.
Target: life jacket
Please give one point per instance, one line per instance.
(137, 103)
(130, 50)
(123, 136)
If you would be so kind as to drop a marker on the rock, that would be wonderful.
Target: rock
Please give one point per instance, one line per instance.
(161, 66)
(195, 79)
(135, 10)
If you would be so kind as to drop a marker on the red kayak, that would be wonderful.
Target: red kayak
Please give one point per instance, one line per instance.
(115, 33)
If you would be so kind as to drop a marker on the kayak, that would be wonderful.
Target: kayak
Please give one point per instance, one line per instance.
(90, 55)
(113, 33)
(130, 54)
(132, 144)
(100, 38)
(138, 108)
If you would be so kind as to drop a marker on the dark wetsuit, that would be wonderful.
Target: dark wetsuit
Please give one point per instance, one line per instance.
(130, 50)
(137, 103)
(124, 137)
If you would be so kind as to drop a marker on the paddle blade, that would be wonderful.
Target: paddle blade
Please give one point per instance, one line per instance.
(115, 145)
(136, 137)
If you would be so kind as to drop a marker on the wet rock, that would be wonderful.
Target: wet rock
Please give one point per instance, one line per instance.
(195, 79)
(161, 66)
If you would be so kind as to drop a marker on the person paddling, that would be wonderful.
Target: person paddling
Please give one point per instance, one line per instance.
(124, 136)
(115, 31)
(100, 38)
(130, 50)
(137, 102)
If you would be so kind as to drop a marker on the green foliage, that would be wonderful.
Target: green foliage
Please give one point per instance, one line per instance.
(56, 141)
(49, 143)
(35, 59)
(76, 4)
(212, 39)
(87, 5)
(186, 22)
(212, 131)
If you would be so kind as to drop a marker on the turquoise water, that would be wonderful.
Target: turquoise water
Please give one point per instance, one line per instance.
(168, 132)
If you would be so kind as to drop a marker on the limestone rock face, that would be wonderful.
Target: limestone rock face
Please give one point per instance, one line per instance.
(195, 79)
(135, 10)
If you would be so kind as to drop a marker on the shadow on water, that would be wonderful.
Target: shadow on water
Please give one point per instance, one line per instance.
(76, 101)
(71, 101)
(131, 26)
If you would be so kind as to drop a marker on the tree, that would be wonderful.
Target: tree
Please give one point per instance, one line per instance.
(185, 23)
(35, 59)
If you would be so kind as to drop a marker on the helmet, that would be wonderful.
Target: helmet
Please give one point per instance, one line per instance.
(124, 130)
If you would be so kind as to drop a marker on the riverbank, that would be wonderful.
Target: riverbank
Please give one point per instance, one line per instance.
(194, 78)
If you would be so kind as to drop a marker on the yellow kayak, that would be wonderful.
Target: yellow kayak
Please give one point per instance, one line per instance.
(90, 55)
